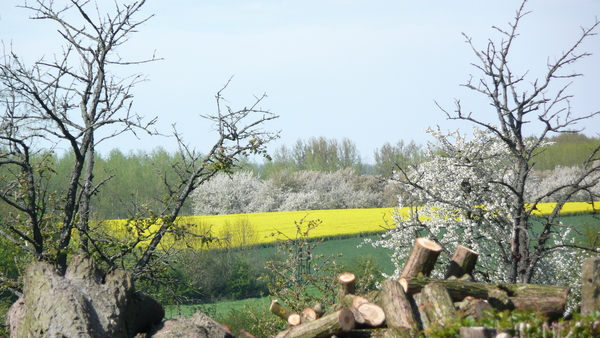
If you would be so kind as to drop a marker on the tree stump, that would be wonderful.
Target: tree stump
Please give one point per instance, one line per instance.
(590, 286)
(422, 258)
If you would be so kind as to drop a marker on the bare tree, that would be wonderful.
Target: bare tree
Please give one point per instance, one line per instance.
(473, 191)
(515, 107)
(77, 99)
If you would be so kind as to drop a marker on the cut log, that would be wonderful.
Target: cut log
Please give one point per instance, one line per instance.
(309, 314)
(352, 301)
(590, 286)
(396, 307)
(551, 307)
(372, 314)
(358, 318)
(333, 324)
(460, 289)
(477, 332)
(439, 306)
(462, 263)
(294, 319)
(279, 310)
(347, 283)
(422, 258)
(358, 301)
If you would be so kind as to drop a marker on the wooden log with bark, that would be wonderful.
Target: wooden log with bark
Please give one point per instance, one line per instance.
(396, 306)
(438, 304)
(347, 283)
(279, 310)
(501, 296)
(590, 286)
(460, 289)
(327, 326)
(462, 263)
(422, 258)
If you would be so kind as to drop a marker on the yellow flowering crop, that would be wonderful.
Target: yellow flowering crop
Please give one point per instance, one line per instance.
(334, 222)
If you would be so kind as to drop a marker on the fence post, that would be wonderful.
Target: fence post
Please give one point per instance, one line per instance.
(590, 286)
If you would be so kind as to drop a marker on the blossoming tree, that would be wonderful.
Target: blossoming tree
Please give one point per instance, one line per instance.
(474, 190)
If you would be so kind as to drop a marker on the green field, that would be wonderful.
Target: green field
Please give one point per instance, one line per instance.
(348, 248)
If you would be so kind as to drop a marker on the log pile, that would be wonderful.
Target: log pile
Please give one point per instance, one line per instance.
(404, 307)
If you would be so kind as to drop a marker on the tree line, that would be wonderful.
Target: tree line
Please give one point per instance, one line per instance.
(317, 173)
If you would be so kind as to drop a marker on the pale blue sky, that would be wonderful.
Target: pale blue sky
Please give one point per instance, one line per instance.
(366, 70)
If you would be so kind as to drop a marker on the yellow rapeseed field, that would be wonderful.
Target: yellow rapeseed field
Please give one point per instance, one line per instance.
(257, 228)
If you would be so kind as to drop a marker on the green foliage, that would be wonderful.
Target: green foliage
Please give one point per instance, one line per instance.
(568, 149)
(299, 278)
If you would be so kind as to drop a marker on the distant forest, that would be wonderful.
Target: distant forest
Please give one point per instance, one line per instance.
(133, 182)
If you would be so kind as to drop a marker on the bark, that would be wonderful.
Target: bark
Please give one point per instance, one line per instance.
(396, 306)
(438, 305)
(590, 286)
(333, 324)
(422, 258)
(463, 262)
(85, 302)
(461, 289)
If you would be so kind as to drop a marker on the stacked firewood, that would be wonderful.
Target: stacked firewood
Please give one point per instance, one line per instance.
(402, 308)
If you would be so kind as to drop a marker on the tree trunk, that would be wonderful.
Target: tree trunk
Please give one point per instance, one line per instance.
(396, 306)
(463, 262)
(333, 324)
(422, 258)
(438, 304)
(590, 286)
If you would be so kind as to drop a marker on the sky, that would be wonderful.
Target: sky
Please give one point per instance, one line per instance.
(368, 70)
